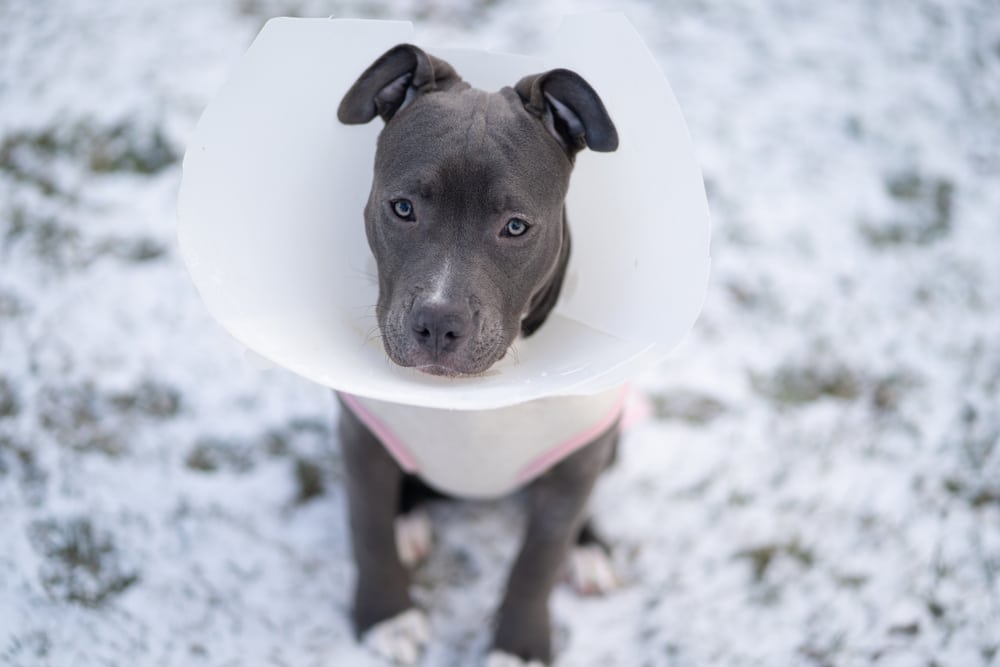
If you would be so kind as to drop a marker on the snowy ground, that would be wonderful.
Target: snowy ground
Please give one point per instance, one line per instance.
(820, 484)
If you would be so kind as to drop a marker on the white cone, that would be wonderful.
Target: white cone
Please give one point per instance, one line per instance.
(271, 226)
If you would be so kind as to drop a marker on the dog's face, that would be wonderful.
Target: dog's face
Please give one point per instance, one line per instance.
(465, 216)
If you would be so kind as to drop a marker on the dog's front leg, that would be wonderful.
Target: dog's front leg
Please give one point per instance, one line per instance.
(557, 503)
(383, 612)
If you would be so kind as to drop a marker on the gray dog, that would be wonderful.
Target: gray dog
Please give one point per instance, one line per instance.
(467, 225)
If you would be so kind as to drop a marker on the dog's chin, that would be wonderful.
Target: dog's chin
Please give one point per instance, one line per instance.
(441, 371)
(442, 368)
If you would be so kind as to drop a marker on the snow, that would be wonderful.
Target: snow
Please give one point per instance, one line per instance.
(819, 483)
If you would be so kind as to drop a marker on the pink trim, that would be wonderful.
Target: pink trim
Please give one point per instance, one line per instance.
(637, 410)
(556, 454)
(395, 446)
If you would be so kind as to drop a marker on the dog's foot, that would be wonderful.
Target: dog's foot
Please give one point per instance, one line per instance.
(591, 571)
(501, 659)
(401, 638)
(413, 537)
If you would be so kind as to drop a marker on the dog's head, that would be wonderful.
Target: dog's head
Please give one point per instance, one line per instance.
(465, 216)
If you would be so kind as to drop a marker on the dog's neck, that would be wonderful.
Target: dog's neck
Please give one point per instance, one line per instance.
(545, 299)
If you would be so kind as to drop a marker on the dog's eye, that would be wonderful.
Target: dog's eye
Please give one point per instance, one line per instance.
(515, 227)
(403, 208)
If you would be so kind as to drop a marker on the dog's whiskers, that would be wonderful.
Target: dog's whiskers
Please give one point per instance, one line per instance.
(374, 334)
(367, 310)
(363, 273)
(514, 353)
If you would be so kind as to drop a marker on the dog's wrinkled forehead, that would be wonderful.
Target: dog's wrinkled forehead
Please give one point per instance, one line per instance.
(472, 137)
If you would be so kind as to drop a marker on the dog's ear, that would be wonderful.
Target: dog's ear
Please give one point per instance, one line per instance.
(570, 110)
(392, 82)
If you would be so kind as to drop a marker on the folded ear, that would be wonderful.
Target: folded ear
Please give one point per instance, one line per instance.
(392, 82)
(570, 109)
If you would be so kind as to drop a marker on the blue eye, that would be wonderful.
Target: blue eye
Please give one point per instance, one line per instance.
(515, 227)
(403, 208)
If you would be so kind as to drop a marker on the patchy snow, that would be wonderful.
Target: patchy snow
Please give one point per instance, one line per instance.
(820, 483)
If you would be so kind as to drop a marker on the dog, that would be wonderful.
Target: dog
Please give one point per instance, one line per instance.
(466, 221)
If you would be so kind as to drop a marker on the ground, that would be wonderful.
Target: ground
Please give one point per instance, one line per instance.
(819, 483)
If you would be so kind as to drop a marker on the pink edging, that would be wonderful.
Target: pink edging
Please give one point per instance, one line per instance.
(551, 457)
(395, 446)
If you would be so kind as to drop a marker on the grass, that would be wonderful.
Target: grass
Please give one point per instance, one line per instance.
(797, 384)
(924, 211)
(83, 565)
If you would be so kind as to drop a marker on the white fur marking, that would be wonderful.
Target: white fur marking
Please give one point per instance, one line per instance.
(400, 639)
(591, 571)
(413, 537)
(501, 659)
(440, 283)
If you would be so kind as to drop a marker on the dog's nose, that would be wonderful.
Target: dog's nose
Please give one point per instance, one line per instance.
(440, 327)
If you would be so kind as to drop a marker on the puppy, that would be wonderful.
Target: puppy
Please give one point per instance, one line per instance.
(467, 225)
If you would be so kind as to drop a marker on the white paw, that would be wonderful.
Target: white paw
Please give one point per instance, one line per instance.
(413, 537)
(401, 638)
(591, 571)
(501, 659)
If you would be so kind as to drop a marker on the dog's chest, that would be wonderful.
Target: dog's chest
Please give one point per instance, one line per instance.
(487, 453)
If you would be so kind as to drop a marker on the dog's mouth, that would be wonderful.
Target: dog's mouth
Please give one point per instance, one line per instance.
(406, 355)
(439, 369)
